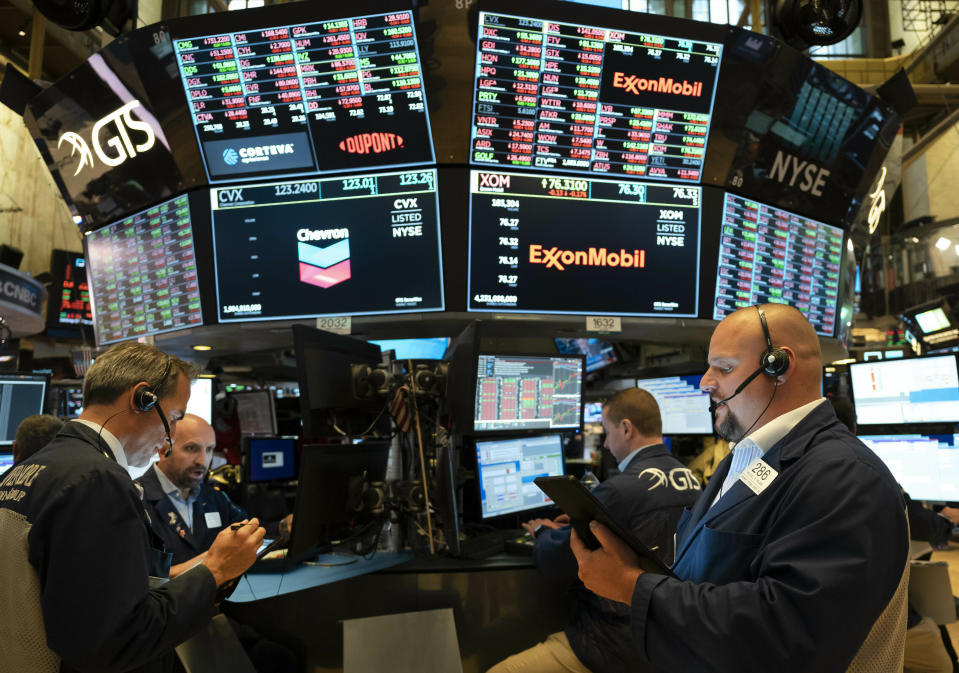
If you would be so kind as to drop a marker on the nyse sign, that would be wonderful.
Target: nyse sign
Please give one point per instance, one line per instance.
(120, 146)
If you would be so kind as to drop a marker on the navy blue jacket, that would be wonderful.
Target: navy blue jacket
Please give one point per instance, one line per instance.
(648, 497)
(790, 580)
(88, 547)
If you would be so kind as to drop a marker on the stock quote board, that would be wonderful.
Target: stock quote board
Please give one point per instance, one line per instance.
(143, 276)
(305, 97)
(548, 244)
(338, 246)
(555, 95)
(767, 254)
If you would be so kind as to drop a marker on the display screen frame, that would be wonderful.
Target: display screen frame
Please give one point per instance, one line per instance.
(15, 378)
(896, 364)
(487, 515)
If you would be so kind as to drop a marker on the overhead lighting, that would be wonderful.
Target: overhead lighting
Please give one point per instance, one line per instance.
(847, 361)
(201, 347)
(943, 243)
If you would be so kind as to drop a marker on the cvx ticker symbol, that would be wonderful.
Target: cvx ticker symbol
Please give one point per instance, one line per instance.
(230, 156)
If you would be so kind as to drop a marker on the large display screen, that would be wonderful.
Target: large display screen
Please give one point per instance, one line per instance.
(683, 407)
(21, 395)
(552, 244)
(916, 390)
(926, 466)
(331, 95)
(343, 246)
(590, 99)
(768, 255)
(68, 307)
(507, 468)
(143, 274)
(522, 392)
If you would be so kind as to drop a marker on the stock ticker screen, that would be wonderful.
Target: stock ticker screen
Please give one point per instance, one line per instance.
(522, 392)
(547, 244)
(770, 255)
(338, 246)
(562, 96)
(343, 94)
(143, 274)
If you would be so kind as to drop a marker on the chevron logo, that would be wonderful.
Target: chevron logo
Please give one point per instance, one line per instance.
(324, 267)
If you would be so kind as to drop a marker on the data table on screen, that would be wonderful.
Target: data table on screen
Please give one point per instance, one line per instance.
(341, 94)
(926, 466)
(143, 274)
(583, 245)
(527, 393)
(507, 469)
(562, 96)
(769, 255)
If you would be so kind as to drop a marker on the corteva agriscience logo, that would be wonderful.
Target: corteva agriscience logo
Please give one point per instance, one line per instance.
(636, 85)
(375, 143)
(324, 266)
(121, 146)
(252, 154)
(555, 258)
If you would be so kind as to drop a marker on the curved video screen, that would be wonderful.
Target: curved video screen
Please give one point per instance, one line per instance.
(337, 246)
(547, 244)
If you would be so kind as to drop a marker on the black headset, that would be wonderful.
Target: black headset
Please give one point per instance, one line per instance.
(147, 398)
(774, 361)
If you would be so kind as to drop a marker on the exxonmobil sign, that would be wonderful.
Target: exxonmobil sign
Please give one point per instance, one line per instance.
(371, 143)
(636, 85)
(555, 258)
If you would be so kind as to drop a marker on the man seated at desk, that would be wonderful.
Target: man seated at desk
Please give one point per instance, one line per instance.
(185, 511)
(647, 496)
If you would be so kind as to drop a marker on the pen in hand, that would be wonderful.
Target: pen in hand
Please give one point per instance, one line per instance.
(238, 526)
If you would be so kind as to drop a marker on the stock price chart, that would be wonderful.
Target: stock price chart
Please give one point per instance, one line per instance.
(527, 393)
(334, 95)
(143, 274)
(551, 95)
(338, 246)
(547, 244)
(769, 255)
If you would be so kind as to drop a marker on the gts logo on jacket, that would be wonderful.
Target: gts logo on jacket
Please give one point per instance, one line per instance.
(680, 478)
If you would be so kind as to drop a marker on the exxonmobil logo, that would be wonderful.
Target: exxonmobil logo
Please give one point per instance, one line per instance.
(375, 143)
(555, 258)
(636, 85)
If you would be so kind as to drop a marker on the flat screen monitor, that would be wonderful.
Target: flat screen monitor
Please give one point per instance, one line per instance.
(547, 244)
(339, 246)
(143, 276)
(256, 412)
(68, 306)
(414, 349)
(926, 466)
(917, 390)
(6, 461)
(506, 470)
(598, 353)
(769, 255)
(21, 395)
(932, 320)
(270, 458)
(527, 392)
(593, 412)
(201, 398)
(304, 90)
(683, 407)
(630, 100)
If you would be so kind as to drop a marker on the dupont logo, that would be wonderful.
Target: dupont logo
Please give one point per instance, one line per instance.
(636, 85)
(554, 258)
(371, 143)
(324, 266)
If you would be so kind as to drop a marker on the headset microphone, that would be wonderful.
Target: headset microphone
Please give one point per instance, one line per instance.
(713, 406)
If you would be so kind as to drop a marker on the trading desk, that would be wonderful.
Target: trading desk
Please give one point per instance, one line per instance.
(501, 605)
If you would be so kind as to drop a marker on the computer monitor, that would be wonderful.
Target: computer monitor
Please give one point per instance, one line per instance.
(6, 461)
(593, 412)
(21, 395)
(683, 406)
(506, 469)
(66, 399)
(270, 458)
(917, 390)
(926, 466)
(414, 349)
(201, 398)
(255, 410)
(598, 353)
(932, 320)
(329, 488)
(527, 392)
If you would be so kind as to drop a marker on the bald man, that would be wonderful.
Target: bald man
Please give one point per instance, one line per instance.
(186, 512)
(795, 557)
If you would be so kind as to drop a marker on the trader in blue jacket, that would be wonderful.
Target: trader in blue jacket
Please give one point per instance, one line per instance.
(648, 497)
(795, 557)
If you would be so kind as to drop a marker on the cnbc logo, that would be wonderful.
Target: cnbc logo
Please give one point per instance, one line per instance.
(323, 265)
(230, 157)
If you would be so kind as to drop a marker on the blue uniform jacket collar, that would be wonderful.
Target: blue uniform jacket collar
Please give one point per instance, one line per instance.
(651, 451)
(783, 454)
(88, 436)
(165, 511)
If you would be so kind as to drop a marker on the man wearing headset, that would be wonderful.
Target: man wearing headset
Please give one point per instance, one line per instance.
(795, 557)
(75, 545)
